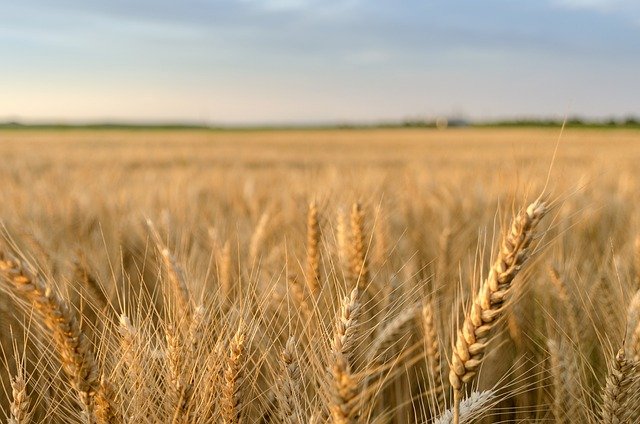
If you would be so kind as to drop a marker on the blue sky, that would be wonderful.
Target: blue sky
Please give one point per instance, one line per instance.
(299, 61)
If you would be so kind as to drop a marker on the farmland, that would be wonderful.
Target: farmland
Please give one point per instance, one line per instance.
(344, 276)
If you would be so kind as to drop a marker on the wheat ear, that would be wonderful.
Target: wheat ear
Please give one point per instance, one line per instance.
(358, 246)
(258, 237)
(175, 273)
(564, 297)
(20, 401)
(488, 302)
(616, 392)
(566, 382)
(344, 384)
(471, 408)
(391, 333)
(289, 385)
(432, 352)
(234, 379)
(73, 346)
(297, 290)
(223, 259)
(313, 251)
(175, 361)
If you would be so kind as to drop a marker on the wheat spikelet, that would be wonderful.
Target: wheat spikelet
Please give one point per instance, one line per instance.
(313, 251)
(344, 384)
(487, 304)
(471, 408)
(234, 379)
(622, 375)
(432, 352)
(73, 346)
(288, 395)
(20, 400)
(358, 248)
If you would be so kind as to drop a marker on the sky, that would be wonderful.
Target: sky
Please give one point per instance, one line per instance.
(317, 61)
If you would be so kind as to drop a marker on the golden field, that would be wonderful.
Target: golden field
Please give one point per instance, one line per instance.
(320, 276)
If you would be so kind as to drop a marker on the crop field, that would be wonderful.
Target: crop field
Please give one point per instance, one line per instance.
(320, 276)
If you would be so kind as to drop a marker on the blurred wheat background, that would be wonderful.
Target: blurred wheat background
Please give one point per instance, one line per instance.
(330, 276)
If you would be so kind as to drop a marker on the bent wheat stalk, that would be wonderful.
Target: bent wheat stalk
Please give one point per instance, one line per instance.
(488, 302)
(73, 346)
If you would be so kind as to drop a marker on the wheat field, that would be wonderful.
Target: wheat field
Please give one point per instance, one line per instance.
(320, 276)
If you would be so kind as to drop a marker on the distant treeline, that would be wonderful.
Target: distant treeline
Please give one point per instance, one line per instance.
(574, 122)
(630, 122)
